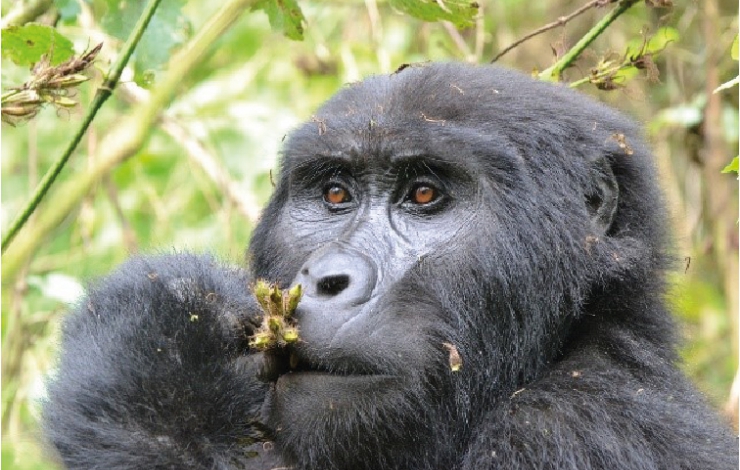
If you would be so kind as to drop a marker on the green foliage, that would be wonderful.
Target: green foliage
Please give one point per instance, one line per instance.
(728, 84)
(686, 115)
(285, 16)
(615, 71)
(47, 85)
(731, 167)
(168, 29)
(622, 75)
(735, 81)
(68, 10)
(655, 43)
(461, 13)
(706, 353)
(25, 45)
(641, 55)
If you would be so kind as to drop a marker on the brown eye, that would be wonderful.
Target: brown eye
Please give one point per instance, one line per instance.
(423, 194)
(336, 194)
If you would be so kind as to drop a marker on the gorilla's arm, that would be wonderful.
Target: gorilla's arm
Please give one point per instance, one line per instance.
(154, 371)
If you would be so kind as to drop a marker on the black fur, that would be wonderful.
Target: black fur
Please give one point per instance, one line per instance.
(541, 262)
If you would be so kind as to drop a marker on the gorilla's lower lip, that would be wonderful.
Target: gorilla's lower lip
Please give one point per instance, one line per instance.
(321, 373)
(288, 363)
(318, 380)
(333, 376)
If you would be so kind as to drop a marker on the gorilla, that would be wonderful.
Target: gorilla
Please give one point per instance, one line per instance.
(483, 258)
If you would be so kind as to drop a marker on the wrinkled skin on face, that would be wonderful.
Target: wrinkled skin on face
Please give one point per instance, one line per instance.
(482, 259)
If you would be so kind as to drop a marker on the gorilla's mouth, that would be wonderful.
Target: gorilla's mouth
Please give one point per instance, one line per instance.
(275, 364)
(289, 361)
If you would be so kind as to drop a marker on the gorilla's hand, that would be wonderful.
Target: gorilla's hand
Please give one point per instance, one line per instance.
(157, 370)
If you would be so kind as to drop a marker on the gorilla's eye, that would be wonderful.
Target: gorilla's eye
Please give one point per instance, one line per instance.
(335, 194)
(423, 194)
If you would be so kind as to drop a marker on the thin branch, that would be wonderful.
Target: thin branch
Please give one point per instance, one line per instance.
(602, 76)
(459, 41)
(125, 139)
(376, 33)
(101, 95)
(23, 12)
(128, 234)
(553, 72)
(562, 21)
(245, 204)
(198, 153)
(480, 33)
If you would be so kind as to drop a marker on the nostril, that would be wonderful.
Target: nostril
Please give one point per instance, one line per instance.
(332, 285)
(338, 276)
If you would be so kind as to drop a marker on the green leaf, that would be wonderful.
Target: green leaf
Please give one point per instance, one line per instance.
(733, 166)
(728, 84)
(685, 115)
(661, 39)
(25, 45)
(168, 29)
(284, 15)
(733, 51)
(655, 44)
(460, 12)
(625, 74)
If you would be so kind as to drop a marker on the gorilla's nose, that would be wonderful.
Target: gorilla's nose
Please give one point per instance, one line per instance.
(338, 274)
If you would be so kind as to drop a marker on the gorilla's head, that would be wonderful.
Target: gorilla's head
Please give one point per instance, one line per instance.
(442, 210)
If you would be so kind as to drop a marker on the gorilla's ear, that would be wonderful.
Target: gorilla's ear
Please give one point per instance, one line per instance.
(603, 196)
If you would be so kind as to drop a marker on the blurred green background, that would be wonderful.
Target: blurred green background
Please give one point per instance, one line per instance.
(202, 171)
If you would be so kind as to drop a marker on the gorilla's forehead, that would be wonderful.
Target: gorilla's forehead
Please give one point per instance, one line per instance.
(453, 111)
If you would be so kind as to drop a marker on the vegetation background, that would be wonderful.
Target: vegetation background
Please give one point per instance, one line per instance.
(193, 175)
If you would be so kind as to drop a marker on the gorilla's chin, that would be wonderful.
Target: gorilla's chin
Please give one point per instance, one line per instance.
(325, 420)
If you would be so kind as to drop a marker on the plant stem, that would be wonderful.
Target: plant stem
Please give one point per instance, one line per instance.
(9, 94)
(101, 95)
(553, 72)
(24, 12)
(562, 21)
(124, 140)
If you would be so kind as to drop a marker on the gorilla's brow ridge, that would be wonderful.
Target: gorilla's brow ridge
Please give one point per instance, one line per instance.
(405, 160)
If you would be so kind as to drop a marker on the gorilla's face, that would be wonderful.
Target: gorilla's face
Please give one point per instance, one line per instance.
(370, 230)
(421, 225)
(364, 224)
